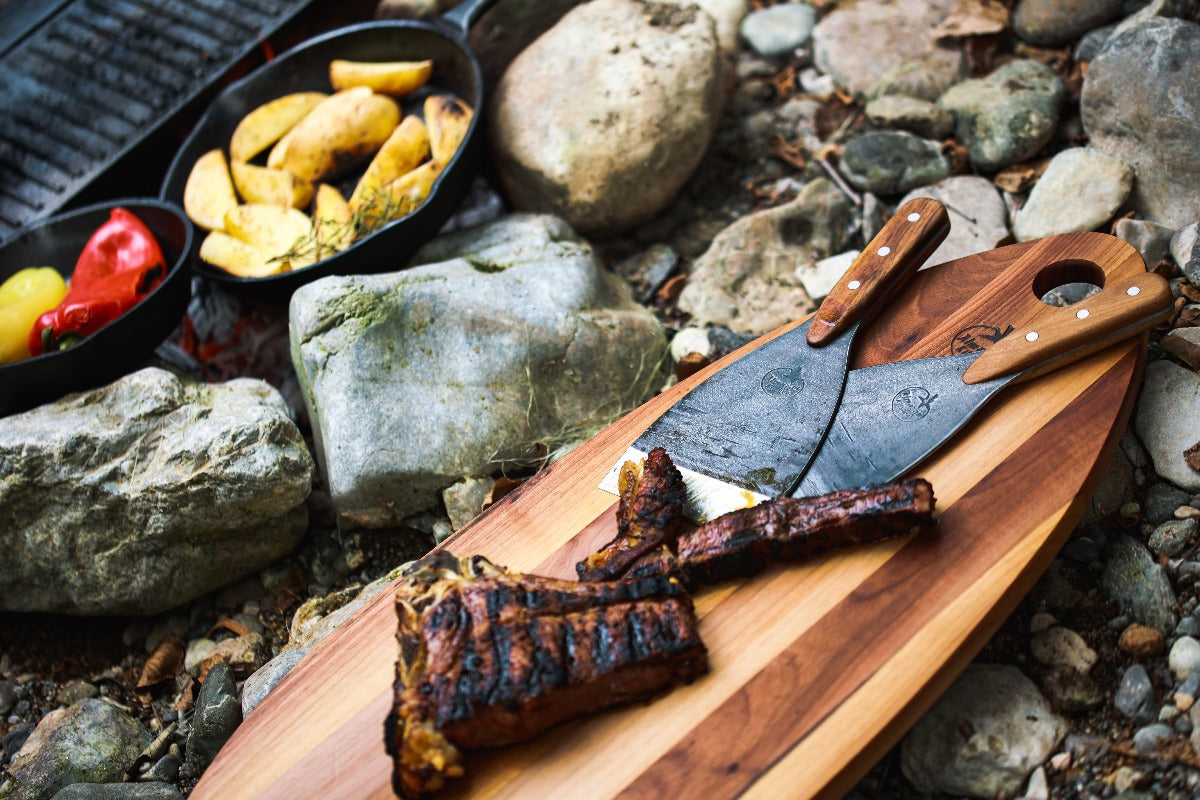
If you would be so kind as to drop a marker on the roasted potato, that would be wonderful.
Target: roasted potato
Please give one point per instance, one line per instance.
(447, 118)
(270, 186)
(399, 197)
(208, 193)
(333, 221)
(237, 257)
(278, 231)
(339, 132)
(403, 152)
(395, 78)
(264, 125)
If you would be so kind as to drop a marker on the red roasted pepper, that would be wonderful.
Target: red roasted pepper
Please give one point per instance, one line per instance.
(120, 264)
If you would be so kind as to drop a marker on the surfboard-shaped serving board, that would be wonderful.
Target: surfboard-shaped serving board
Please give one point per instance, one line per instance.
(817, 668)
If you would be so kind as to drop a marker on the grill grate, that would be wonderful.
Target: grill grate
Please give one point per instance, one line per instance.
(99, 77)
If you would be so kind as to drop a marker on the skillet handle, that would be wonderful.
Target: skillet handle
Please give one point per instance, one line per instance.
(1059, 335)
(464, 15)
(882, 269)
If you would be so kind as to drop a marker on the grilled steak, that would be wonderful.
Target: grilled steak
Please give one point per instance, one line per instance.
(488, 657)
(742, 542)
(649, 515)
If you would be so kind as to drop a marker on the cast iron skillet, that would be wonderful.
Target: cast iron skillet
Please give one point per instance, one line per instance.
(306, 68)
(123, 344)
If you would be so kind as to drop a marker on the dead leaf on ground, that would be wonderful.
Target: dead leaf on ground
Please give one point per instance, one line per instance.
(1192, 456)
(960, 159)
(837, 111)
(228, 624)
(668, 293)
(973, 18)
(501, 487)
(785, 82)
(981, 52)
(1190, 292)
(163, 663)
(187, 698)
(1188, 318)
(786, 152)
(1020, 177)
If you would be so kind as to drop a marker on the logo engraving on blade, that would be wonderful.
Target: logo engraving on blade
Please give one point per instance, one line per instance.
(912, 403)
(972, 339)
(783, 382)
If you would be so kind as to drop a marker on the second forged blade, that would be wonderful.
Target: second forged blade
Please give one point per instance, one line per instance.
(891, 417)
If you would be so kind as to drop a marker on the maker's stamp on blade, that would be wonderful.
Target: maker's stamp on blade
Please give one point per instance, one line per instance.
(912, 403)
(783, 382)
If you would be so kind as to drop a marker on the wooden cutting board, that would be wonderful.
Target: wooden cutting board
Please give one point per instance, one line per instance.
(818, 668)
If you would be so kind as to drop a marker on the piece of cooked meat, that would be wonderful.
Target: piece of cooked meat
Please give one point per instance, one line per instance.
(649, 515)
(742, 542)
(657, 563)
(488, 657)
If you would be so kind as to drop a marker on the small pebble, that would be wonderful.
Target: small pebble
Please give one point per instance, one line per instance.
(690, 340)
(1187, 513)
(1168, 713)
(1184, 658)
(8, 696)
(1185, 695)
(1038, 787)
(1135, 697)
(1173, 536)
(780, 29)
(1061, 761)
(1041, 621)
(1141, 641)
(1126, 778)
(1062, 647)
(1151, 737)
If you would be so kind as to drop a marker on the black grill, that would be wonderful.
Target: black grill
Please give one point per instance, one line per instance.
(85, 86)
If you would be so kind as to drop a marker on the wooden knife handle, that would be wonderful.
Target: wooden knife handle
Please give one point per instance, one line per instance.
(882, 269)
(1060, 335)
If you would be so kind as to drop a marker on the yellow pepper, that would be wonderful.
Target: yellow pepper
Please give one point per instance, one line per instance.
(23, 298)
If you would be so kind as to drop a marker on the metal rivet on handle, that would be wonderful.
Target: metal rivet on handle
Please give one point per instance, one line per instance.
(883, 251)
(1083, 313)
(913, 217)
(853, 284)
(1133, 291)
(1031, 336)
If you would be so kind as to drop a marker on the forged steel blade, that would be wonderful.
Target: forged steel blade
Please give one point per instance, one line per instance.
(892, 416)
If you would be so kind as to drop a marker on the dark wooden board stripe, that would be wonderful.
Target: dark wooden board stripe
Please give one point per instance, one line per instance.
(320, 732)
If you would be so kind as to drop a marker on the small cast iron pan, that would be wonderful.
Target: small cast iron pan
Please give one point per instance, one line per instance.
(306, 68)
(123, 344)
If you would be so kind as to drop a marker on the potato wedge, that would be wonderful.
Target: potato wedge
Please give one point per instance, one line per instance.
(399, 197)
(275, 230)
(447, 118)
(237, 257)
(275, 157)
(270, 186)
(339, 132)
(264, 125)
(333, 221)
(403, 152)
(395, 78)
(208, 193)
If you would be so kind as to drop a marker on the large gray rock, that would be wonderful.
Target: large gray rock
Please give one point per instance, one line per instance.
(978, 216)
(751, 279)
(1081, 189)
(606, 115)
(141, 495)
(508, 27)
(1140, 104)
(419, 378)
(1007, 116)
(92, 741)
(1138, 585)
(983, 737)
(1168, 409)
(1049, 23)
(873, 42)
